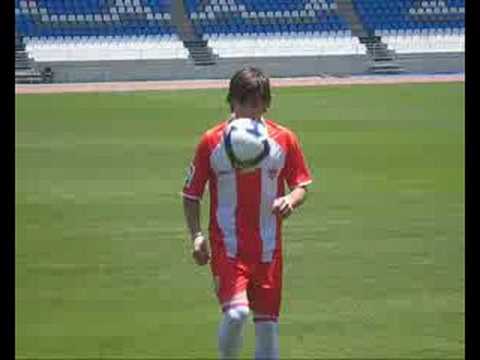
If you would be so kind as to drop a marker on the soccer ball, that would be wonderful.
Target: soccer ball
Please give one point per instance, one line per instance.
(246, 143)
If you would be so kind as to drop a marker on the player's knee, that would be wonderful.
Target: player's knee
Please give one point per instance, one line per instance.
(238, 314)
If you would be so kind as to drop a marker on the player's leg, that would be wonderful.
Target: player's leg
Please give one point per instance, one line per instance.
(231, 280)
(266, 338)
(265, 297)
(230, 334)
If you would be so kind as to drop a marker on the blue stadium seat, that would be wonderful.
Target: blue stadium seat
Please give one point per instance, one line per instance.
(135, 23)
(395, 14)
(267, 23)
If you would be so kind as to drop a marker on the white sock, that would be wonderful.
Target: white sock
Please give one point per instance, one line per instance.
(266, 335)
(230, 333)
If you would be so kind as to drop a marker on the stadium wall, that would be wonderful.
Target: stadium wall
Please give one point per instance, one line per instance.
(432, 63)
(138, 70)
(143, 70)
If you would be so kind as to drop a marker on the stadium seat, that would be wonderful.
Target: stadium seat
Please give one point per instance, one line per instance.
(403, 14)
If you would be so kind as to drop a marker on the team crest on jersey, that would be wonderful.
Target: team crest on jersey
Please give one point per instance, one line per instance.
(272, 173)
(190, 173)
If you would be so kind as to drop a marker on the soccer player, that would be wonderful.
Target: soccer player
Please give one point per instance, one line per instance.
(247, 208)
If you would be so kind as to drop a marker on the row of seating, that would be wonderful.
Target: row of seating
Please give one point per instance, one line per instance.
(425, 43)
(257, 5)
(282, 46)
(386, 24)
(106, 48)
(79, 18)
(96, 30)
(315, 34)
(79, 6)
(423, 3)
(332, 21)
(309, 10)
(267, 29)
(412, 32)
(77, 12)
(44, 40)
(410, 14)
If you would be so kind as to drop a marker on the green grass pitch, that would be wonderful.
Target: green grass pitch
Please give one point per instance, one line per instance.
(374, 261)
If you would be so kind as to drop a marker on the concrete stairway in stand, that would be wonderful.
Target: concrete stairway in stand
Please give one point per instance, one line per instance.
(381, 59)
(199, 51)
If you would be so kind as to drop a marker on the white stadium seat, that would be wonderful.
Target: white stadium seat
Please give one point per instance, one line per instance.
(291, 45)
(424, 43)
(108, 47)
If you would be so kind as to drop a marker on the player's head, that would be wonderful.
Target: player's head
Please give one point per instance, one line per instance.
(249, 92)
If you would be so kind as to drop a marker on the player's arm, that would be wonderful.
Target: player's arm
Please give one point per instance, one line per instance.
(191, 209)
(285, 205)
(297, 178)
(194, 186)
(200, 251)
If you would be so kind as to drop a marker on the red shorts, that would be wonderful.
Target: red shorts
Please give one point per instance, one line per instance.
(261, 281)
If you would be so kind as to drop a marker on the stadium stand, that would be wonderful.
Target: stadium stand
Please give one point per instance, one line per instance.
(410, 26)
(57, 30)
(202, 32)
(266, 28)
(25, 70)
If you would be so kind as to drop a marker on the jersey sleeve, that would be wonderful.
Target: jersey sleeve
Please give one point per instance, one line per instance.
(198, 171)
(297, 172)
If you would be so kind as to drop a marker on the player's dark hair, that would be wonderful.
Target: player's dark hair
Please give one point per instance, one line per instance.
(249, 84)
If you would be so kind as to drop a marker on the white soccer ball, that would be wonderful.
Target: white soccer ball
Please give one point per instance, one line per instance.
(246, 142)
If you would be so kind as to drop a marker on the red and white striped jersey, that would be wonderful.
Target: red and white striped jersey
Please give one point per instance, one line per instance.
(241, 218)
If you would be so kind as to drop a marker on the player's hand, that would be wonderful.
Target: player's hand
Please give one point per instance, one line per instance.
(283, 206)
(200, 251)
